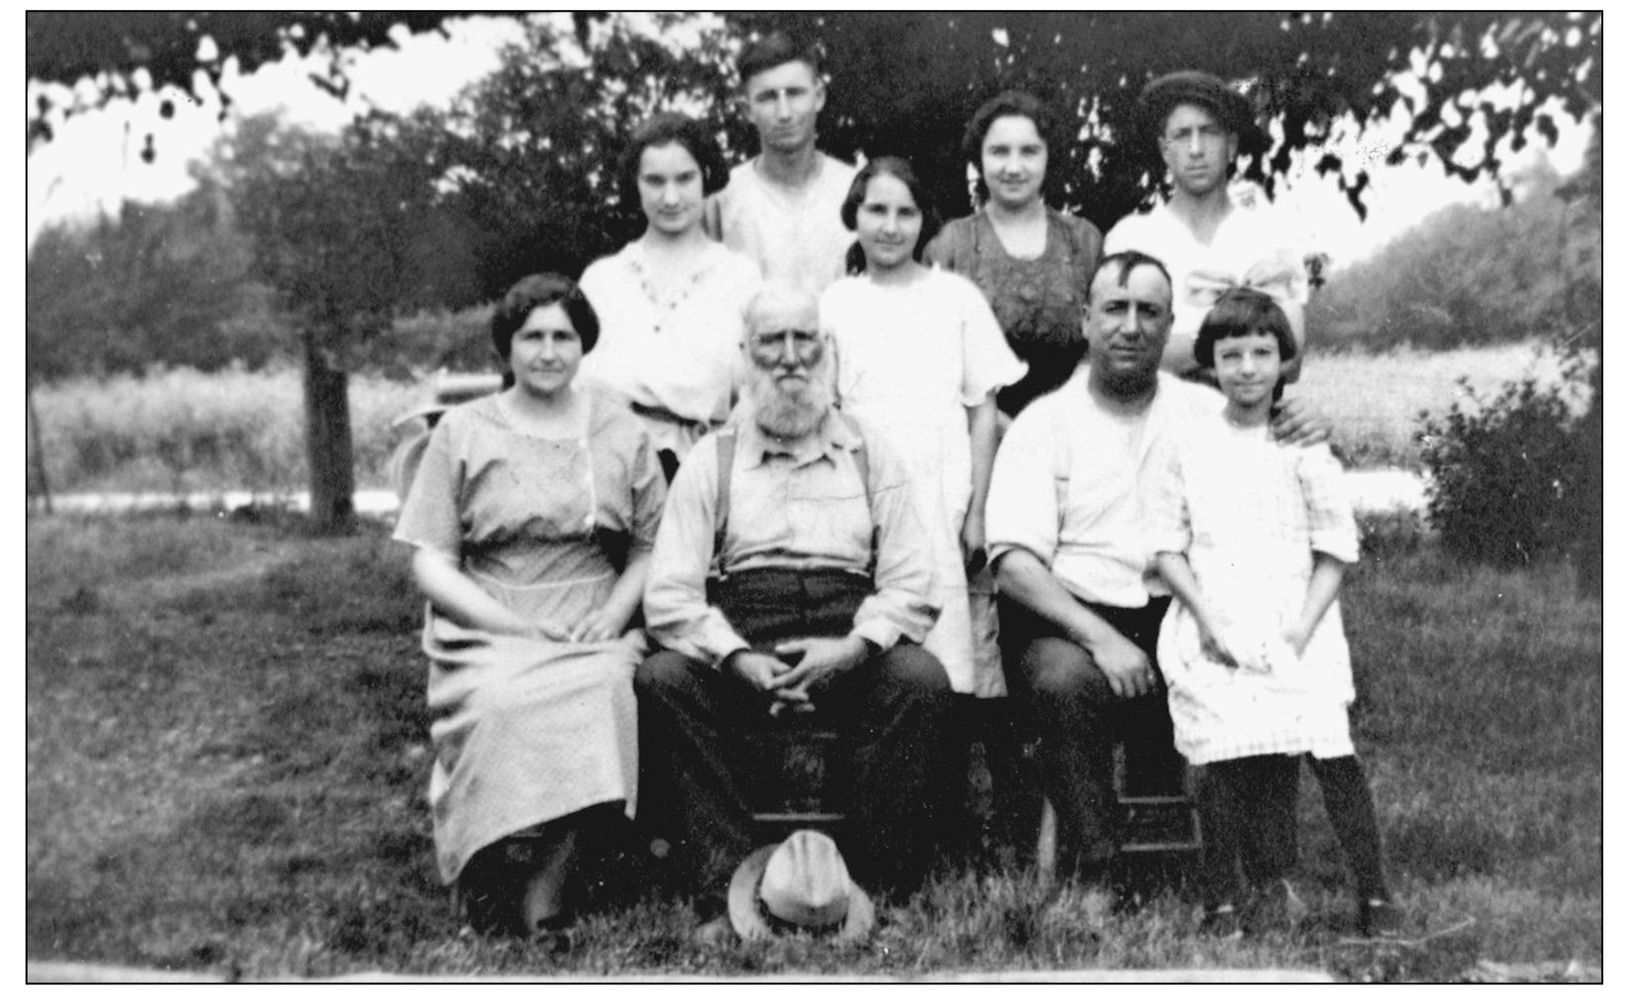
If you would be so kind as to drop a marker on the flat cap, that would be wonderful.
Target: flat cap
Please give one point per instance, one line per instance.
(1192, 86)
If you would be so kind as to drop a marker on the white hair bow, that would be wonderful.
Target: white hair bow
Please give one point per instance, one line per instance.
(1279, 278)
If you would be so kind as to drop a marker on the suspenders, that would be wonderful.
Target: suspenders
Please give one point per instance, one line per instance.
(725, 441)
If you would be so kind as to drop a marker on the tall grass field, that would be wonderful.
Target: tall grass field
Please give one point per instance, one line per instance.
(182, 431)
(227, 759)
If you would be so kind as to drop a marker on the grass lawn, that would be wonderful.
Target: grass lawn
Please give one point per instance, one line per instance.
(1374, 399)
(227, 761)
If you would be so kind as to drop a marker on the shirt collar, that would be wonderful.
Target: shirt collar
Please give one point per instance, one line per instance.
(834, 435)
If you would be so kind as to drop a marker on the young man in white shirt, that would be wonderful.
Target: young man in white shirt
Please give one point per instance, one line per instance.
(1206, 241)
(782, 207)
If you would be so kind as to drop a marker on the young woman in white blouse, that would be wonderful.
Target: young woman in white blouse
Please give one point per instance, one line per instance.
(671, 302)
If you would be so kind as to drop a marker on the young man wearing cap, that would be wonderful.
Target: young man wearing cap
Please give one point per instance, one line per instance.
(1207, 242)
(781, 208)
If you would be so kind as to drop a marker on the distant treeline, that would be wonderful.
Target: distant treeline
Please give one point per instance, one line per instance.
(172, 286)
(1470, 276)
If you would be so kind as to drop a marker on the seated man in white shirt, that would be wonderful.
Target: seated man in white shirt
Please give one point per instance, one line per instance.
(812, 590)
(1066, 535)
(781, 208)
(1206, 241)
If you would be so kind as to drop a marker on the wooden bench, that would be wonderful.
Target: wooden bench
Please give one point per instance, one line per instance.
(1153, 822)
(801, 775)
(799, 778)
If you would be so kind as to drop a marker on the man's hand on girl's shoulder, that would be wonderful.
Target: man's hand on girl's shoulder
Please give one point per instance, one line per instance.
(1295, 422)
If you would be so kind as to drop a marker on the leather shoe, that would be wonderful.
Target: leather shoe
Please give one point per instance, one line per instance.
(716, 932)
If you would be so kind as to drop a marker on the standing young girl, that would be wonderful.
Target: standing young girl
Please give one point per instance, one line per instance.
(1253, 539)
(921, 357)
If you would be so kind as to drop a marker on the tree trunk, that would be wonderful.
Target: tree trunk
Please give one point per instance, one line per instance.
(328, 441)
(39, 445)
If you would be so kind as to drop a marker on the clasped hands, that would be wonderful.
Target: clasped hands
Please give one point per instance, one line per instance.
(797, 668)
(1252, 650)
(595, 626)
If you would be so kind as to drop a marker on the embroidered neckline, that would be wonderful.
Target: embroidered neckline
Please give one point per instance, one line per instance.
(666, 302)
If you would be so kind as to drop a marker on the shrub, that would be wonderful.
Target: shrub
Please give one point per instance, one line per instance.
(1373, 399)
(437, 338)
(1509, 479)
(1394, 531)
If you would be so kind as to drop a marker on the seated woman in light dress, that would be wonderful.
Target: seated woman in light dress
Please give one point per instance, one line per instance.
(532, 516)
(671, 302)
(921, 357)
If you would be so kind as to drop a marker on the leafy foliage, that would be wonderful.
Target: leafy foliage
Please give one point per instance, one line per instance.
(161, 284)
(446, 209)
(123, 51)
(342, 227)
(531, 152)
(528, 159)
(520, 175)
(339, 228)
(906, 83)
(1467, 276)
(1522, 475)
(1510, 476)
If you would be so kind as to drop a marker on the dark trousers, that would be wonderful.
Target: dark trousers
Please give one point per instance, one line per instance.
(1249, 816)
(1249, 824)
(697, 727)
(995, 808)
(1078, 719)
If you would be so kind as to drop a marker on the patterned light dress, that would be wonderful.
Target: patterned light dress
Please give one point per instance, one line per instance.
(1250, 515)
(1038, 302)
(528, 730)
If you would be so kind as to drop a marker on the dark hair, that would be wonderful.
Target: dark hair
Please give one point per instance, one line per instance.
(537, 291)
(1242, 311)
(1125, 263)
(1008, 104)
(855, 261)
(670, 128)
(775, 49)
(1229, 108)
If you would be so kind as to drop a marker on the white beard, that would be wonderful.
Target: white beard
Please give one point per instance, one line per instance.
(792, 414)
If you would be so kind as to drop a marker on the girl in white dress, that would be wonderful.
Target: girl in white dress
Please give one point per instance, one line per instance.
(1253, 538)
(920, 356)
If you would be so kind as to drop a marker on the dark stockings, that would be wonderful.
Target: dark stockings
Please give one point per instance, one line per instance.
(1354, 819)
